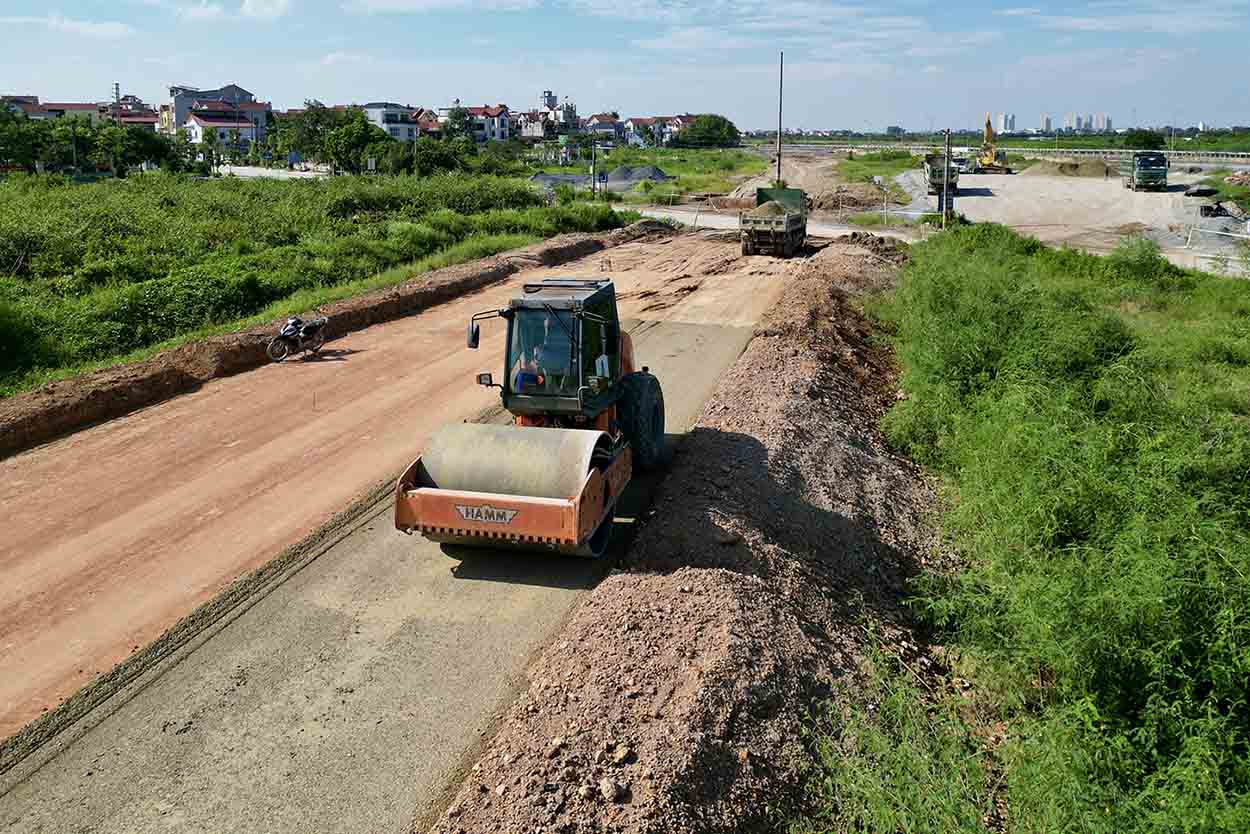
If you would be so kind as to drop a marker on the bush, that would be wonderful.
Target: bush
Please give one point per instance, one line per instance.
(93, 271)
(1090, 417)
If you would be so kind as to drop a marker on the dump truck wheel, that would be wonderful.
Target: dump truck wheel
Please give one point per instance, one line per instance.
(641, 411)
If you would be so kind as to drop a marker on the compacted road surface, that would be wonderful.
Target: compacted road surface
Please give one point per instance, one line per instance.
(343, 699)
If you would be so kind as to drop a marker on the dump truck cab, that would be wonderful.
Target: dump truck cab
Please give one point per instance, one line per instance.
(565, 350)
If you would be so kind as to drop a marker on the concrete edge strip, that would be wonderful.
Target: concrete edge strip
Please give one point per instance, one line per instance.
(58, 419)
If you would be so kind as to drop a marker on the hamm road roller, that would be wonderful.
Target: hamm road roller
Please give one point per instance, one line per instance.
(583, 417)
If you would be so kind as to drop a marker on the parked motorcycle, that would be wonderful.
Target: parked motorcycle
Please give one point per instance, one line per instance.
(297, 335)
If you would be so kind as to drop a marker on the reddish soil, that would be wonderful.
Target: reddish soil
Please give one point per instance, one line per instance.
(673, 700)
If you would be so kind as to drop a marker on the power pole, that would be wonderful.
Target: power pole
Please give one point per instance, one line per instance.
(946, 179)
(593, 176)
(781, 75)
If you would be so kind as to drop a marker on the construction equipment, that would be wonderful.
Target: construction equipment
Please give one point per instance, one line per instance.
(777, 225)
(991, 160)
(1144, 170)
(935, 172)
(583, 417)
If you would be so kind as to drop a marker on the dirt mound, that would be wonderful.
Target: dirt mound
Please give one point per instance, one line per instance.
(624, 173)
(1238, 178)
(65, 406)
(1084, 168)
(674, 699)
(894, 251)
(770, 209)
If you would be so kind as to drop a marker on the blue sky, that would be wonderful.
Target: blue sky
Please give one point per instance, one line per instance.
(854, 65)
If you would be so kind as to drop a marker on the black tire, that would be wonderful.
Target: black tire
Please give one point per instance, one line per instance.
(316, 342)
(278, 349)
(641, 412)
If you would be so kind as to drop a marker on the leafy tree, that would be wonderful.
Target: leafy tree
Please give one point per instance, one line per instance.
(431, 157)
(1143, 140)
(20, 140)
(459, 123)
(708, 131)
(346, 145)
(306, 133)
(109, 147)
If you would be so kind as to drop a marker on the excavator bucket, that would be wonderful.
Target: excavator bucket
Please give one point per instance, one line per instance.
(495, 486)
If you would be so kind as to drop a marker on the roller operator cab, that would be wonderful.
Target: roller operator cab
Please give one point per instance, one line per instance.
(583, 417)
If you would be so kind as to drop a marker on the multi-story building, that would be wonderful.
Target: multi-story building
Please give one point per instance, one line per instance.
(398, 120)
(182, 98)
(486, 123)
(1108, 127)
(1044, 123)
(1002, 123)
(247, 121)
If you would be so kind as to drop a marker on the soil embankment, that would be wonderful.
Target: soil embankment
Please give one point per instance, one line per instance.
(673, 700)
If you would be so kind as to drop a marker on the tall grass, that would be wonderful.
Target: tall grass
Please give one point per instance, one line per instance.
(1091, 417)
(92, 272)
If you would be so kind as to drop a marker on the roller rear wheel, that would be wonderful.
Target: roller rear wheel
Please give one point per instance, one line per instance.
(641, 412)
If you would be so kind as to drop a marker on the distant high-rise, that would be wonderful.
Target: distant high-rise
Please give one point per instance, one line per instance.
(1044, 123)
(1089, 121)
(1002, 122)
(1070, 121)
(1011, 122)
(1109, 128)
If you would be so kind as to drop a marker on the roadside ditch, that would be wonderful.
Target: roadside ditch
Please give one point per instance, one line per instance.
(675, 698)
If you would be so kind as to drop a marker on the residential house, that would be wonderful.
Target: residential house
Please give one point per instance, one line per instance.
(131, 111)
(641, 130)
(396, 119)
(605, 127)
(29, 105)
(183, 97)
(426, 121)
(80, 109)
(224, 120)
(486, 123)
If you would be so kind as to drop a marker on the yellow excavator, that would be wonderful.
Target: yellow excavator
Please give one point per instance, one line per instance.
(991, 160)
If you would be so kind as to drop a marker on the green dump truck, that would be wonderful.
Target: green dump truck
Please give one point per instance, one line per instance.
(1144, 170)
(777, 225)
(935, 171)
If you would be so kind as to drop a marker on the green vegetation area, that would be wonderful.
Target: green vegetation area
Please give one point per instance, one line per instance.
(698, 170)
(1239, 194)
(1090, 418)
(92, 273)
(862, 167)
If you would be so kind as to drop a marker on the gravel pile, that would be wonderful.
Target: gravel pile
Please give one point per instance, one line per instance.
(673, 699)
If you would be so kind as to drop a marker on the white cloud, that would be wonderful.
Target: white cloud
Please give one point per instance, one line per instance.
(87, 28)
(1018, 12)
(201, 11)
(383, 6)
(266, 9)
(341, 58)
(692, 38)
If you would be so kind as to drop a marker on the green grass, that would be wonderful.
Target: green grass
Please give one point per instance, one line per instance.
(301, 302)
(1239, 194)
(1090, 417)
(89, 273)
(697, 170)
(862, 167)
(910, 763)
(873, 220)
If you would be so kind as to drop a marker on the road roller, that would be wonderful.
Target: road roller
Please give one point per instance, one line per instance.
(583, 416)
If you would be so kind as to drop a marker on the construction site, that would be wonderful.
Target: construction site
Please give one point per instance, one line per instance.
(563, 539)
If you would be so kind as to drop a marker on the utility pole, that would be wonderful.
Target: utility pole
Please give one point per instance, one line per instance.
(781, 75)
(117, 104)
(593, 176)
(946, 179)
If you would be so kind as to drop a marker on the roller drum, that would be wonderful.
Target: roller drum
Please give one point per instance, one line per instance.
(535, 462)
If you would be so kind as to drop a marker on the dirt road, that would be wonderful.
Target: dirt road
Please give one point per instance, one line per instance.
(207, 485)
(115, 532)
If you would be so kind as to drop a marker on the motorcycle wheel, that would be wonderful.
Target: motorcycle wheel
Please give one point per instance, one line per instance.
(278, 349)
(314, 344)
